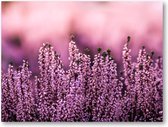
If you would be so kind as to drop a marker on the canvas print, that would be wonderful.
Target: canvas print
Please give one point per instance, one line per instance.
(82, 61)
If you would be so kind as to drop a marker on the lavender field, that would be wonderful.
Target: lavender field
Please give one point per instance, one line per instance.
(82, 61)
(90, 90)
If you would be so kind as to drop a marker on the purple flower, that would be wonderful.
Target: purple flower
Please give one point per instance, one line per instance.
(85, 92)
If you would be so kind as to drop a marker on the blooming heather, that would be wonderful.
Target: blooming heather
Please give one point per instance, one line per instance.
(17, 95)
(85, 92)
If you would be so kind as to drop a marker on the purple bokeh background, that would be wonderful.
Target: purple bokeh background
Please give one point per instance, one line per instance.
(26, 25)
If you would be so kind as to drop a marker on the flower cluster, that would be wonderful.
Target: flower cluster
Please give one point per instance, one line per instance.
(85, 92)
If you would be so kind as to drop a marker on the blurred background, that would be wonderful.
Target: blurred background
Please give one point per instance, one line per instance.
(26, 25)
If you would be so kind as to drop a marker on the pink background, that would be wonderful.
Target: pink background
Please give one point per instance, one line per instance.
(26, 25)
